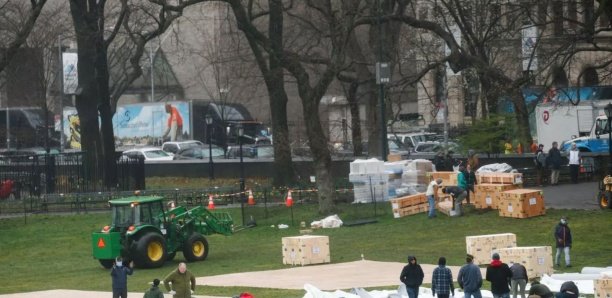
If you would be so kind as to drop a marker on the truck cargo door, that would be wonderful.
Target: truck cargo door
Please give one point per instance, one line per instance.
(585, 120)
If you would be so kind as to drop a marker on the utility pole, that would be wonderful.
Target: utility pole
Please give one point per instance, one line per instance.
(383, 76)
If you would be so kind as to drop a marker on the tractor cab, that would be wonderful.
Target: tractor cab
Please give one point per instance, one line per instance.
(135, 212)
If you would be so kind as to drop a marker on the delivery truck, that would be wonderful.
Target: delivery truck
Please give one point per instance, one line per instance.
(155, 122)
(565, 122)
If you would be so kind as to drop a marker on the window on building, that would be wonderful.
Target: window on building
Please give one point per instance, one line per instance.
(558, 18)
(590, 77)
(559, 77)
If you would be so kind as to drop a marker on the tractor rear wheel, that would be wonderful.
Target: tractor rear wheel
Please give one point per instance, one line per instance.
(108, 264)
(195, 248)
(603, 200)
(150, 251)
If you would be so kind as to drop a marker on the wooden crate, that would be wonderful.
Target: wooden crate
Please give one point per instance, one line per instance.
(305, 250)
(499, 178)
(407, 201)
(483, 246)
(488, 195)
(410, 210)
(603, 288)
(522, 203)
(445, 203)
(448, 178)
(536, 259)
(409, 205)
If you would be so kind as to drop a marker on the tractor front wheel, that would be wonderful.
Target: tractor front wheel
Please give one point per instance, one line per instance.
(150, 251)
(108, 264)
(603, 200)
(195, 248)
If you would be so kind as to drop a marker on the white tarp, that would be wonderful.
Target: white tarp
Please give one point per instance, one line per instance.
(332, 221)
(496, 168)
(584, 286)
(314, 292)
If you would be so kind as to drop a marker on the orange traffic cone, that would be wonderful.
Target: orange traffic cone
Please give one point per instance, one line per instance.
(251, 200)
(289, 201)
(211, 203)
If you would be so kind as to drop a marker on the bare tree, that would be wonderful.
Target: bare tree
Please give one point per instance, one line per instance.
(24, 27)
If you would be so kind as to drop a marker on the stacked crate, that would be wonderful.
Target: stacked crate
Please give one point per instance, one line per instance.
(409, 205)
(488, 195)
(499, 178)
(603, 288)
(448, 178)
(483, 246)
(536, 259)
(521, 203)
(305, 250)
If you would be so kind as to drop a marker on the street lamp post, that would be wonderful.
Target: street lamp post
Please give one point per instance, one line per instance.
(240, 134)
(211, 165)
(609, 126)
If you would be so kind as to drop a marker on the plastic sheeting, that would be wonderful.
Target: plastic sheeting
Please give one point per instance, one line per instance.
(314, 292)
(584, 286)
(496, 168)
(332, 221)
(595, 270)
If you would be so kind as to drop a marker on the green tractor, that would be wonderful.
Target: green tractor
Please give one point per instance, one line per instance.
(144, 232)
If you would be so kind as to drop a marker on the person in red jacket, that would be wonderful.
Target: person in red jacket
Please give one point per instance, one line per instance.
(174, 128)
(500, 275)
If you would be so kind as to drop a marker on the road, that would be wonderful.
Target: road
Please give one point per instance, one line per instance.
(571, 196)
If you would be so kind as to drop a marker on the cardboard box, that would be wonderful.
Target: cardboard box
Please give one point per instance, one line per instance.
(603, 288)
(536, 259)
(499, 178)
(483, 246)
(305, 250)
(488, 195)
(394, 157)
(522, 203)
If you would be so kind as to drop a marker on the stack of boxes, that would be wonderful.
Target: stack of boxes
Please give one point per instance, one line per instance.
(522, 203)
(305, 250)
(370, 182)
(409, 205)
(536, 259)
(490, 185)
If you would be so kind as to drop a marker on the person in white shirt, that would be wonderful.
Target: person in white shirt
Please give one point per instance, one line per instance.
(574, 163)
(432, 193)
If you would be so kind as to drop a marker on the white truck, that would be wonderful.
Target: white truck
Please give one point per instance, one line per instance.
(570, 123)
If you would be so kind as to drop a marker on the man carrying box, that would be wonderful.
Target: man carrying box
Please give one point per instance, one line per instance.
(458, 195)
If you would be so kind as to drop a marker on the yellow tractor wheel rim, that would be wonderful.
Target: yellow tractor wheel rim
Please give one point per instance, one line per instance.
(603, 201)
(198, 249)
(155, 251)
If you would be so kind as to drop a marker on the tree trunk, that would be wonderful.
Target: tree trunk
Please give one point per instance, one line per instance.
(275, 83)
(353, 103)
(321, 156)
(87, 100)
(522, 118)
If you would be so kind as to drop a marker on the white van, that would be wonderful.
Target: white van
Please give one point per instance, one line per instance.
(410, 140)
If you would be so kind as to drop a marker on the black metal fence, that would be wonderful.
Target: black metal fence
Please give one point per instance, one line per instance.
(36, 175)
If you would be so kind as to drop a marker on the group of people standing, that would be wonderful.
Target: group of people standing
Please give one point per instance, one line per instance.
(553, 160)
(180, 283)
(501, 276)
(505, 280)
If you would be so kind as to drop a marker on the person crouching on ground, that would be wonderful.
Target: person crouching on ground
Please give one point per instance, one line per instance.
(412, 276)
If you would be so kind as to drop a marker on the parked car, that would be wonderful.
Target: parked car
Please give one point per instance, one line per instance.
(148, 153)
(262, 151)
(174, 147)
(199, 153)
(433, 147)
(411, 140)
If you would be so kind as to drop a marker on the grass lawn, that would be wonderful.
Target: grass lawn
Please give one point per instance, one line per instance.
(53, 251)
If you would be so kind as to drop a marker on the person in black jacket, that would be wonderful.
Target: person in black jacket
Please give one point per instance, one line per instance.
(119, 275)
(563, 238)
(499, 275)
(412, 276)
(555, 160)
